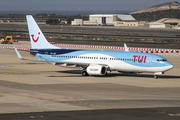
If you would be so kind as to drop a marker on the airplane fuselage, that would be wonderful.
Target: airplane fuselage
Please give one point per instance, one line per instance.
(115, 60)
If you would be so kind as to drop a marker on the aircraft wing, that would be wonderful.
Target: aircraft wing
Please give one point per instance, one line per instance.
(60, 63)
(69, 64)
(73, 64)
(53, 62)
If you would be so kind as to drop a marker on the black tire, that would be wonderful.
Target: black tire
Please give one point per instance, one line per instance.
(105, 74)
(84, 73)
(155, 77)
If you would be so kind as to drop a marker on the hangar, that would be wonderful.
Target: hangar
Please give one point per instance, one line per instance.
(169, 22)
(163, 23)
(108, 19)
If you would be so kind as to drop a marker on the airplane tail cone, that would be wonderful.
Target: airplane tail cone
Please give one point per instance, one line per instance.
(38, 40)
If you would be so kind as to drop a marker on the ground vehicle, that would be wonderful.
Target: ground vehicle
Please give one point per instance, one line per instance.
(7, 40)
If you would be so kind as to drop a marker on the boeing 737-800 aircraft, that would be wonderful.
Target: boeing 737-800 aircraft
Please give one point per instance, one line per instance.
(93, 62)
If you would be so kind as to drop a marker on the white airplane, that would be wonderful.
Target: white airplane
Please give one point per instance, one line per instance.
(93, 62)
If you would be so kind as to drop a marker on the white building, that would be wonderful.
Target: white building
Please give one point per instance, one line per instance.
(77, 22)
(103, 19)
(107, 19)
(157, 25)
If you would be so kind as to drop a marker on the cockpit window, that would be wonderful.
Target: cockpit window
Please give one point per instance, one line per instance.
(159, 60)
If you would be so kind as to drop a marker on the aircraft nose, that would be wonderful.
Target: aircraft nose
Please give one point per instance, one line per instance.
(169, 66)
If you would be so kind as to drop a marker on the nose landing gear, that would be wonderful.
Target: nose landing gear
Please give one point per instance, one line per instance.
(157, 73)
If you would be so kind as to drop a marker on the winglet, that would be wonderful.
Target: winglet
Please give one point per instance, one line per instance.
(18, 54)
(125, 46)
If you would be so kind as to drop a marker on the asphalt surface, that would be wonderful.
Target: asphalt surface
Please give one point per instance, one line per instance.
(97, 29)
(113, 43)
(31, 90)
(40, 91)
(94, 31)
(99, 35)
(116, 114)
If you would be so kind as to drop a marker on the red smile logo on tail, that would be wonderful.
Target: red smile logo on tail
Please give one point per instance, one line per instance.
(37, 37)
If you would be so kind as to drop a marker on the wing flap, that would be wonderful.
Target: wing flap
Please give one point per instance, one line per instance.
(71, 64)
(60, 63)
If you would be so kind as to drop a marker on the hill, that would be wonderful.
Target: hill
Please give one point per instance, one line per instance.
(153, 16)
(165, 10)
(161, 7)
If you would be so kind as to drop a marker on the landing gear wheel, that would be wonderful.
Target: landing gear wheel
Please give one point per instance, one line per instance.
(155, 77)
(84, 73)
(105, 74)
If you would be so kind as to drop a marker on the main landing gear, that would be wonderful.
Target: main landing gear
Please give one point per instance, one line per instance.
(84, 73)
(155, 77)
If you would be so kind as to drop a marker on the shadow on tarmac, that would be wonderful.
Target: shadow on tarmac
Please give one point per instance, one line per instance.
(171, 113)
(78, 74)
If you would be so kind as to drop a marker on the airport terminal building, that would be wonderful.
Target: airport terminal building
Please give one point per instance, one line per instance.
(107, 19)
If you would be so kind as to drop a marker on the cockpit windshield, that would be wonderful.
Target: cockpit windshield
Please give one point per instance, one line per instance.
(160, 60)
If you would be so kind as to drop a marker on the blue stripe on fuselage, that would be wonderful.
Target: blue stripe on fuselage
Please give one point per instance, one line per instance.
(57, 51)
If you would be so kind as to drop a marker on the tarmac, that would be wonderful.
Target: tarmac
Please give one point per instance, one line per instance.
(35, 90)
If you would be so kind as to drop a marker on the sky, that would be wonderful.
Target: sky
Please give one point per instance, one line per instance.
(77, 5)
